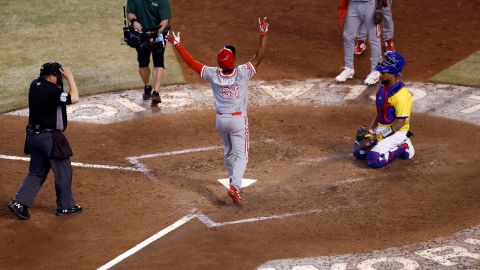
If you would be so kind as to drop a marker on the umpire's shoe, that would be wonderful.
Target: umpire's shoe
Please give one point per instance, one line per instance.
(156, 98)
(70, 211)
(19, 209)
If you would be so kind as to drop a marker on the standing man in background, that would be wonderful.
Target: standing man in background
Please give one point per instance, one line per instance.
(150, 16)
(45, 142)
(387, 30)
(368, 13)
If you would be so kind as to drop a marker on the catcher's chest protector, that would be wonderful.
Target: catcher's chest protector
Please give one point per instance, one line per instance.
(385, 110)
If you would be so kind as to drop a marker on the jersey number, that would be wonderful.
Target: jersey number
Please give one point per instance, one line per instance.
(228, 91)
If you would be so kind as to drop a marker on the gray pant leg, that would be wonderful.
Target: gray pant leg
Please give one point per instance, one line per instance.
(227, 146)
(40, 147)
(362, 32)
(234, 131)
(62, 169)
(368, 14)
(350, 30)
(239, 139)
(387, 22)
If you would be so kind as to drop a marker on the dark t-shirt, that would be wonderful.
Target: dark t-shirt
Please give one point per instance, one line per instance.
(47, 103)
(150, 12)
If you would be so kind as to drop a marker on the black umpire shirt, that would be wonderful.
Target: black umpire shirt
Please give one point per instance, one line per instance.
(47, 105)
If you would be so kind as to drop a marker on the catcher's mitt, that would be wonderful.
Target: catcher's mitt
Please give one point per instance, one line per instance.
(366, 138)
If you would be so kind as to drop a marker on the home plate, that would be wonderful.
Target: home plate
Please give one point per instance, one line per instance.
(245, 182)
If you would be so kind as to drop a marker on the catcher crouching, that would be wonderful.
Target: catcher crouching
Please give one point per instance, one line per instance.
(388, 137)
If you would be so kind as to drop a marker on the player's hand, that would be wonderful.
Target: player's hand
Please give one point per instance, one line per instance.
(172, 38)
(263, 26)
(137, 26)
(67, 73)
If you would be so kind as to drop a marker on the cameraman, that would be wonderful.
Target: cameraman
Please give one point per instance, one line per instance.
(150, 16)
(45, 142)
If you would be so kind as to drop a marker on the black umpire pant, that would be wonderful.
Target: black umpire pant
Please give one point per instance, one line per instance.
(40, 146)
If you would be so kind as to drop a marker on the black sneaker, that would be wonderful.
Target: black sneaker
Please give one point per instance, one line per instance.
(156, 98)
(19, 209)
(70, 211)
(147, 92)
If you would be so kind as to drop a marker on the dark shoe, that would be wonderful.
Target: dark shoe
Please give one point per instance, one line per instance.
(70, 211)
(19, 209)
(156, 98)
(147, 92)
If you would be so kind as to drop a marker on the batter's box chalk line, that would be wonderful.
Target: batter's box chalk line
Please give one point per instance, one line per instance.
(141, 167)
(195, 214)
(78, 164)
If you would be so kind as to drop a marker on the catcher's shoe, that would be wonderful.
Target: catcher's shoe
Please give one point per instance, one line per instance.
(19, 209)
(147, 92)
(372, 78)
(156, 98)
(409, 150)
(346, 74)
(360, 47)
(389, 46)
(69, 211)
(235, 195)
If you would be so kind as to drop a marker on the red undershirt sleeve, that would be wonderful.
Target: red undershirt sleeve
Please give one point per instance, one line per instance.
(189, 60)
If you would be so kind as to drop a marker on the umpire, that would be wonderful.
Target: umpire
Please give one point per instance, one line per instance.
(150, 16)
(45, 142)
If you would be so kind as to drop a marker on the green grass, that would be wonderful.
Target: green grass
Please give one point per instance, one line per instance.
(81, 34)
(466, 72)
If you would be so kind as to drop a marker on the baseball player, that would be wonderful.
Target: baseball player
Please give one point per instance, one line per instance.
(387, 30)
(230, 89)
(388, 136)
(368, 13)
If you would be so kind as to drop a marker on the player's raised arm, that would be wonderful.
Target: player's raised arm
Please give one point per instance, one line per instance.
(262, 43)
(189, 60)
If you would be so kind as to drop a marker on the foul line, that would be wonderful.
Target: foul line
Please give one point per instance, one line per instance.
(147, 242)
(205, 220)
(78, 164)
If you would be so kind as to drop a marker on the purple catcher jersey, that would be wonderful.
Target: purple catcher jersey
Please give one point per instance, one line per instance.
(230, 91)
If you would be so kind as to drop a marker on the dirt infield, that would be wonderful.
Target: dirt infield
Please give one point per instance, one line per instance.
(300, 154)
(302, 165)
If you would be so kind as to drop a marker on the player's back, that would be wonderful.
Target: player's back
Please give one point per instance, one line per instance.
(230, 90)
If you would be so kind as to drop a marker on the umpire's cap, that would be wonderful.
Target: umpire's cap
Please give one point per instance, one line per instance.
(51, 68)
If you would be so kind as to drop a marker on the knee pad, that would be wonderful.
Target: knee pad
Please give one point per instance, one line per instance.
(376, 160)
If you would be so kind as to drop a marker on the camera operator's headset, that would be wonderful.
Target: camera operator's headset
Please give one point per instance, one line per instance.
(52, 68)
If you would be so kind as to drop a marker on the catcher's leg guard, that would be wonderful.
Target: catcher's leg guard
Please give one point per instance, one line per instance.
(359, 153)
(376, 160)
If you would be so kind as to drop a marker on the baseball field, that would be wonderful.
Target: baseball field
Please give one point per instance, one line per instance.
(147, 177)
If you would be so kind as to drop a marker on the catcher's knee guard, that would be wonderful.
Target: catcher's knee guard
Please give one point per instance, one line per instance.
(359, 153)
(376, 160)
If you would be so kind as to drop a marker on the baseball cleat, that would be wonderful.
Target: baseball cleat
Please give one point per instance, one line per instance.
(360, 47)
(156, 98)
(235, 195)
(19, 209)
(389, 46)
(409, 150)
(372, 78)
(70, 211)
(147, 92)
(346, 74)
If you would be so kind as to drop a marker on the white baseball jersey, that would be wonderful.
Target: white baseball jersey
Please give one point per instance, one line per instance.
(230, 91)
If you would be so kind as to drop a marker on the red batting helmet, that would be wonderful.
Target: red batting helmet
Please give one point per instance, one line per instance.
(226, 59)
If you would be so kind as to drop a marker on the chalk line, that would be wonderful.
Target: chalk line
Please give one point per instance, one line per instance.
(78, 164)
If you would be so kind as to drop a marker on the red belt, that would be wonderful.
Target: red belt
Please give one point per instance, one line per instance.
(233, 113)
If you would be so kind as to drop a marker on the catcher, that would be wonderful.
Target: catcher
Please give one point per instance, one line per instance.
(388, 137)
